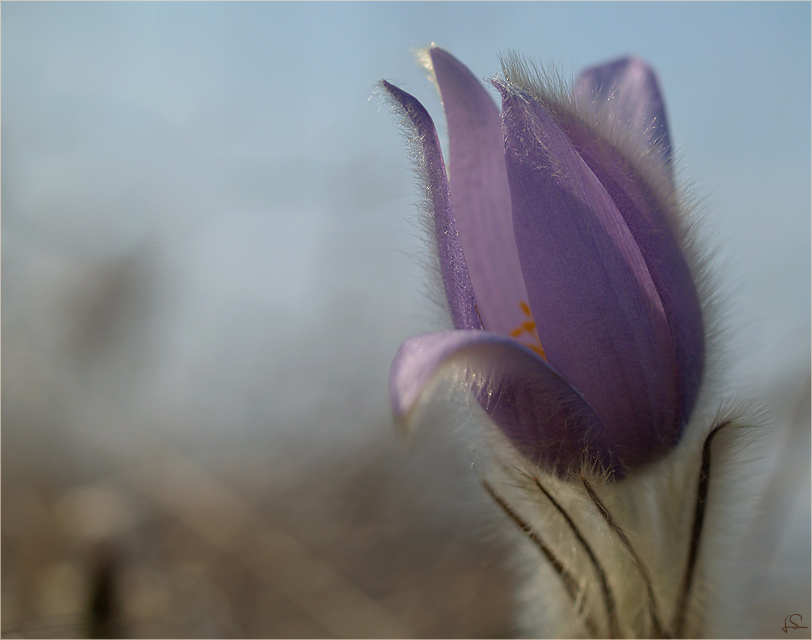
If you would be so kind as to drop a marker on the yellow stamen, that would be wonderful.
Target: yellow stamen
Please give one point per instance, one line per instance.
(526, 327)
(529, 327)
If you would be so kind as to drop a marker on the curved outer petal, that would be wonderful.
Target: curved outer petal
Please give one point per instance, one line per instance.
(454, 270)
(534, 406)
(481, 195)
(597, 310)
(627, 89)
(648, 219)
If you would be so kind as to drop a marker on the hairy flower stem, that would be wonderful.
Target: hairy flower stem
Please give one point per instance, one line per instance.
(703, 485)
(659, 632)
(611, 608)
(565, 574)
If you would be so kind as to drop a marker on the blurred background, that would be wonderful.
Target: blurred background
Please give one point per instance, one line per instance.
(210, 253)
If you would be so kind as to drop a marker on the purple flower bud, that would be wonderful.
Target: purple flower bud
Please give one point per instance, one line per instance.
(577, 317)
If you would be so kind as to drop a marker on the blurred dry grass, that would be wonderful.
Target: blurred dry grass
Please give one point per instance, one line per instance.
(371, 545)
(348, 551)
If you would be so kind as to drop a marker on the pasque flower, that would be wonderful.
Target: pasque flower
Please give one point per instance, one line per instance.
(577, 320)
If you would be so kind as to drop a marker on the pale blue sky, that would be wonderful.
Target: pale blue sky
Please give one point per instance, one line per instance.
(242, 144)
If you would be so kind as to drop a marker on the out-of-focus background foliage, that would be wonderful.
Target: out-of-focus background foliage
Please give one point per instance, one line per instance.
(210, 255)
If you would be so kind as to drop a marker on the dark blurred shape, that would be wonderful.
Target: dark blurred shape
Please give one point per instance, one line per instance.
(114, 313)
(104, 614)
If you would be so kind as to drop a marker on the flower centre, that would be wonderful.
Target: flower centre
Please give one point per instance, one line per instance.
(529, 326)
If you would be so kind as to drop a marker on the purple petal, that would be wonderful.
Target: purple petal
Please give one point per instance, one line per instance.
(648, 214)
(454, 271)
(537, 409)
(597, 310)
(481, 196)
(627, 91)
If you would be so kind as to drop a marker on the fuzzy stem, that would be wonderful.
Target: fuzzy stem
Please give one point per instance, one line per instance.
(655, 619)
(611, 608)
(703, 485)
(566, 576)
